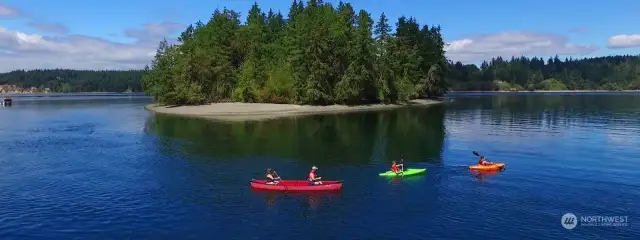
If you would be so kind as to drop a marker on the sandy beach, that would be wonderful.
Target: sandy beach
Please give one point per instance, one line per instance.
(264, 111)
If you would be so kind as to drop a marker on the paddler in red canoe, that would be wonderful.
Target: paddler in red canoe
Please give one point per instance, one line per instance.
(312, 177)
(395, 167)
(272, 176)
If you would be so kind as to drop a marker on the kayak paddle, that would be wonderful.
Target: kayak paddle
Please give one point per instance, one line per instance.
(477, 154)
(402, 164)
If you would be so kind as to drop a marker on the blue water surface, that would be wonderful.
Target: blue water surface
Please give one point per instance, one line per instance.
(101, 167)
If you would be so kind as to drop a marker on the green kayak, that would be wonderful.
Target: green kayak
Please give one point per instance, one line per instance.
(407, 172)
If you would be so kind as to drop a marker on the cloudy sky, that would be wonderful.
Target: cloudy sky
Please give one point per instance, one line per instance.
(119, 34)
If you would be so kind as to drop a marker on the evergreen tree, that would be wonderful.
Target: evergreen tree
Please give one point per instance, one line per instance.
(357, 83)
(384, 74)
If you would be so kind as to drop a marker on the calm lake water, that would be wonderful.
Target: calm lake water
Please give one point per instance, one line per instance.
(101, 167)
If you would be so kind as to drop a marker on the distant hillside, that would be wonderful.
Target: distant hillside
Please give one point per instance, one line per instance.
(600, 73)
(65, 80)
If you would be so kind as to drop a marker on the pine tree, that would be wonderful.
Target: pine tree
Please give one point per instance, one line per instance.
(357, 84)
(252, 74)
(384, 77)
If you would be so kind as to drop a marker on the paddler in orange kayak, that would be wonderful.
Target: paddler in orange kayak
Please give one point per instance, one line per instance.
(483, 161)
(312, 177)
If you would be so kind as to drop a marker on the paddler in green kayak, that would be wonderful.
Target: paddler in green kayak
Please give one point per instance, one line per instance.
(395, 168)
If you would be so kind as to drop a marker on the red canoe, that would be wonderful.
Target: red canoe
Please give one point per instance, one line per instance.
(296, 185)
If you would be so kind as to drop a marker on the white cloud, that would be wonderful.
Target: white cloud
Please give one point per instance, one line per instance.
(624, 41)
(6, 11)
(19, 50)
(54, 28)
(485, 47)
(154, 31)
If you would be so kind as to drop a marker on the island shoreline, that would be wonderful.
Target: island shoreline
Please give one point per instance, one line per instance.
(240, 112)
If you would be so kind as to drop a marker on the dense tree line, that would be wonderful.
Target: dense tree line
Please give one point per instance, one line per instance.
(319, 54)
(600, 73)
(66, 80)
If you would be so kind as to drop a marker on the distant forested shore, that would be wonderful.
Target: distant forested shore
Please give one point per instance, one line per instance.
(613, 73)
(323, 54)
(67, 81)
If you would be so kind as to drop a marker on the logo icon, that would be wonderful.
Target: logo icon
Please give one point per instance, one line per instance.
(569, 221)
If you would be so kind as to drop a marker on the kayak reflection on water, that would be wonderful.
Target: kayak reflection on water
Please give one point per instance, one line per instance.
(270, 199)
(310, 199)
(482, 176)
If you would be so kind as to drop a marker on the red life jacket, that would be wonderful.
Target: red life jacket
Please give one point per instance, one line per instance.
(309, 175)
(395, 168)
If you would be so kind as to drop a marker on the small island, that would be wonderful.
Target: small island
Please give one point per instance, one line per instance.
(320, 59)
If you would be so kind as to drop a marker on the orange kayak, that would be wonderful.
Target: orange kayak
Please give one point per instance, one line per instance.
(492, 167)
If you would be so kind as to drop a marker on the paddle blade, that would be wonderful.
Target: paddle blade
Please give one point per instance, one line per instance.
(476, 153)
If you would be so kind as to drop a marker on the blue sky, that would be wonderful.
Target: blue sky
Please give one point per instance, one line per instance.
(477, 30)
